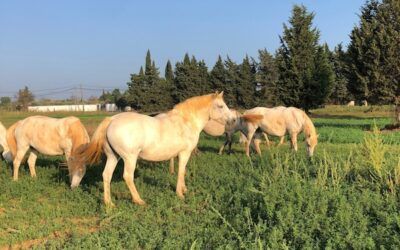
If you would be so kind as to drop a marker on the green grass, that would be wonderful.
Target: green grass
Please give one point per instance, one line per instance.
(347, 196)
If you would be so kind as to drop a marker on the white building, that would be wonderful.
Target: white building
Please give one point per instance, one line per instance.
(77, 107)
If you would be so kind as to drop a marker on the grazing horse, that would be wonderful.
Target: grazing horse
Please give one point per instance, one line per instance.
(279, 121)
(48, 136)
(132, 136)
(3, 142)
(244, 123)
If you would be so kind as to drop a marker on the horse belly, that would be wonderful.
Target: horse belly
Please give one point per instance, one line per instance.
(162, 151)
(273, 130)
(47, 149)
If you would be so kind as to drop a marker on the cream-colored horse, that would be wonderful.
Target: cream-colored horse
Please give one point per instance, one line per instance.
(214, 128)
(244, 123)
(48, 136)
(3, 142)
(132, 136)
(278, 121)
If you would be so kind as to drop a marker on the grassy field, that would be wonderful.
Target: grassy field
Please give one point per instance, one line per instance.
(347, 196)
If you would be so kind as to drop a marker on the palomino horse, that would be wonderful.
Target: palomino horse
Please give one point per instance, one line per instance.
(278, 121)
(49, 136)
(132, 136)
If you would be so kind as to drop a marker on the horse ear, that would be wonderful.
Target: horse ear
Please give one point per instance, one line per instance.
(221, 94)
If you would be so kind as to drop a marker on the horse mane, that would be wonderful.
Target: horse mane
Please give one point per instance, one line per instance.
(11, 141)
(79, 136)
(309, 128)
(194, 103)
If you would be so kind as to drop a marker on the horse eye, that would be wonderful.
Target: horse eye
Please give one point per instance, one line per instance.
(220, 106)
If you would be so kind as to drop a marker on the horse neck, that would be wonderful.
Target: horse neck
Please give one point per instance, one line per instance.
(309, 129)
(196, 118)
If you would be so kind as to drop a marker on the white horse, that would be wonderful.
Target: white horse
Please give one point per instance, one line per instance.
(132, 136)
(279, 121)
(3, 143)
(48, 136)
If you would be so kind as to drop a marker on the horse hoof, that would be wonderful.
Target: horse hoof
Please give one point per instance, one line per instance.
(139, 202)
(109, 204)
(180, 195)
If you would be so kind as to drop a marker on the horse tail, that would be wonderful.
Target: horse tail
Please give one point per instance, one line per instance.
(252, 118)
(94, 149)
(11, 140)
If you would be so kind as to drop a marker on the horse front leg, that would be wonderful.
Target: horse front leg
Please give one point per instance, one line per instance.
(257, 142)
(221, 150)
(281, 140)
(293, 139)
(180, 185)
(267, 140)
(250, 135)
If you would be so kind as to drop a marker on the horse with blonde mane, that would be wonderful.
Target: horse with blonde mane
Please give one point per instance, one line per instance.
(49, 136)
(278, 121)
(131, 136)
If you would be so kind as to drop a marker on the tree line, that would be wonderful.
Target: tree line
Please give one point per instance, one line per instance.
(302, 72)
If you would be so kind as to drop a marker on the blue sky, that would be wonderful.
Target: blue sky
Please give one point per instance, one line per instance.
(56, 44)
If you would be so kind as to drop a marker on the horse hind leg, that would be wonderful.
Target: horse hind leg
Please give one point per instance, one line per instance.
(21, 151)
(171, 166)
(129, 170)
(108, 171)
(31, 163)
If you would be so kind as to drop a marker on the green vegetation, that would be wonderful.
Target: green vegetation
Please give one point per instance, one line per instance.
(347, 196)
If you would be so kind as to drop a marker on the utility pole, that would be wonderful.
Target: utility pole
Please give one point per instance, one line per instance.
(81, 90)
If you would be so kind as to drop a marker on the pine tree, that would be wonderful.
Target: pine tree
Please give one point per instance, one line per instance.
(298, 61)
(267, 78)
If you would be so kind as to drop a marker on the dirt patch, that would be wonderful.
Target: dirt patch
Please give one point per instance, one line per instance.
(391, 128)
(82, 227)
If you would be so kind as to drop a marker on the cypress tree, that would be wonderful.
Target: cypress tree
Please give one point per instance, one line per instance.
(374, 53)
(148, 66)
(340, 93)
(191, 79)
(298, 60)
(245, 88)
(267, 77)
(169, 73)
(232, 81)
